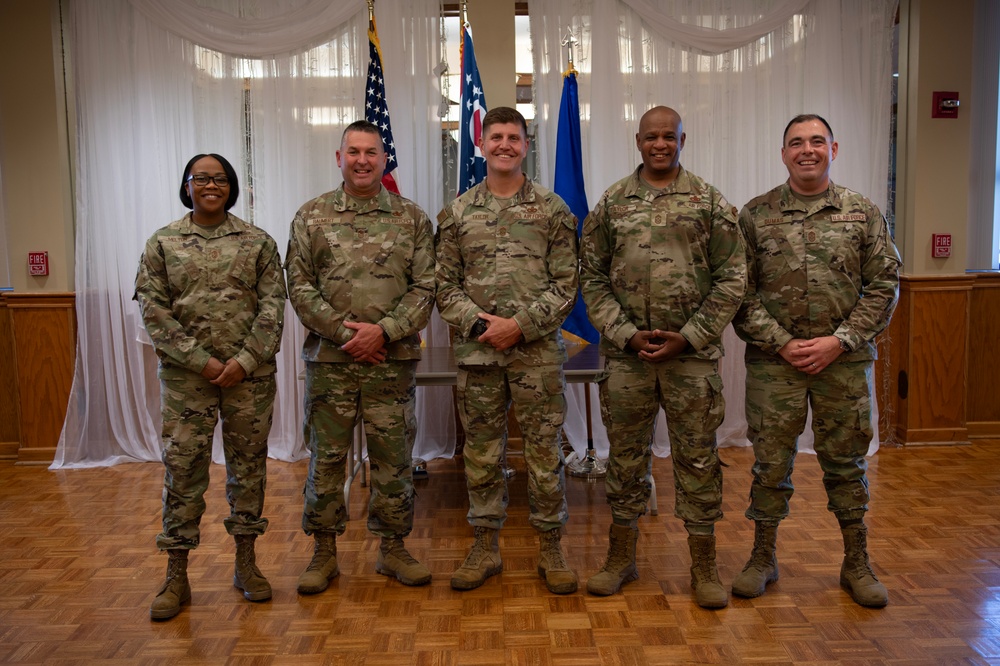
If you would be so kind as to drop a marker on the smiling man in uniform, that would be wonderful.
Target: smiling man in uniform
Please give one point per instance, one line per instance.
(823, 282)
(662, 270)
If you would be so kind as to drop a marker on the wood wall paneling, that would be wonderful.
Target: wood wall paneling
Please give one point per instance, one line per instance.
(897, 360)
(943, 336)
(9, 419)
(44, 336)
(984, 357)
(934, 356)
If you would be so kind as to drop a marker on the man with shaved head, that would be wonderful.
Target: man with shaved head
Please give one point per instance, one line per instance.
(663, 271)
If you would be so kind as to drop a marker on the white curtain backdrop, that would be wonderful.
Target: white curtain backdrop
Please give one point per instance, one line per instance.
(148, 99)
(157, 81)
(736, 71)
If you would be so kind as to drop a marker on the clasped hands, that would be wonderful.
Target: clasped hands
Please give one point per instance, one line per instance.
(657, 346)
(224, 375)
(813, 355)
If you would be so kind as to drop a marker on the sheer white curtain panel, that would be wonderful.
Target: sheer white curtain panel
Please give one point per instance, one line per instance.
(147, 100)
(256, 29)
(773, 59)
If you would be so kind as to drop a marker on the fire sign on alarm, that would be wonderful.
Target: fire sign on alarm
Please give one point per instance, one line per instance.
(38, 263)
(940, 246)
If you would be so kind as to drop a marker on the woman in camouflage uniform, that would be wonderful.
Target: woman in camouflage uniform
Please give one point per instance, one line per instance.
(212, 297)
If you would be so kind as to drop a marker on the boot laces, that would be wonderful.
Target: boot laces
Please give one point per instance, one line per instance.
(858, 562)
(396, 549)
(704, 566)
(618, 557)
(553, 552)
(480, 548)
(175, 571)
(247, 561)
(760, 558)
(323, 550)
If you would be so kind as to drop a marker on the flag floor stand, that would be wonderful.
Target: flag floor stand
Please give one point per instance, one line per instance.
(589, 467)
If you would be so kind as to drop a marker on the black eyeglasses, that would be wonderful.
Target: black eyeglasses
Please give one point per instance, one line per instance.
(201, 180)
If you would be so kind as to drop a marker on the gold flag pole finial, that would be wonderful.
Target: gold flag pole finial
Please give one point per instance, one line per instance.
(371, 10)
(570, 42)
(465, 13)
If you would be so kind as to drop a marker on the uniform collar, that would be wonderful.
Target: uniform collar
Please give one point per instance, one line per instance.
(482, 196)
(788, 201)
(381, 201)
(637, 187)
(230, 225)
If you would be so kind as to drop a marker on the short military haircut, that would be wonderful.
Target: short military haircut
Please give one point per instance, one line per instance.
(502, 115)
(362, 126)
(234, 182)
(804, 118)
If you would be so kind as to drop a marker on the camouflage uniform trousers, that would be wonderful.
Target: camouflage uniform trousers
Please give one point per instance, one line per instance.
(537, 392)
(776, 399)
(384, 396)
(191, 407)
(690, 392)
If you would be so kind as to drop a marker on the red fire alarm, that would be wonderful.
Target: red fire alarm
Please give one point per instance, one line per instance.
(945, 104)
(940, 246)
(38, 263)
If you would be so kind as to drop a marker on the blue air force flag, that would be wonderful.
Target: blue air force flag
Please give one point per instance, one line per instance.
(568, 184)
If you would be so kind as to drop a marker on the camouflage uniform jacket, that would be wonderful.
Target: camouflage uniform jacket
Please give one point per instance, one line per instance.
(212, 292)
(373, 264)
(668, 259)
(515, 260)
(828, 270)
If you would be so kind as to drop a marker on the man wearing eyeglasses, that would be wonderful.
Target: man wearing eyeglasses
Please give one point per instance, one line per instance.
(360, 266)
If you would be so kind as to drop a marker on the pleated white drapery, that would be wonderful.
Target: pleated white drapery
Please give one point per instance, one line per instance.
(736, 71)
(147, 99)
(156, 81)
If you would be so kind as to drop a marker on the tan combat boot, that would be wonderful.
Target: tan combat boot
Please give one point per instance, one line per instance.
(708, 590)
(246, 575)
(856, 575)
(619, 568)
(552, 567)
(175, 590)
(323, 566)
(482, 561)
(762, 568)
(395, 560)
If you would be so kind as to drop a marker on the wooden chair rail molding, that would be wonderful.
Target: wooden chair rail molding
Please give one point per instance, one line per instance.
(42, 337)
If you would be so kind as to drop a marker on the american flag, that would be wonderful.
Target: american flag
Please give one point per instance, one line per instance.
(376, 110)
(472, 164)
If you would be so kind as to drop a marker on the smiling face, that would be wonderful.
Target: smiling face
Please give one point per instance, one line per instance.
(660, 140)
(808, 152)
(504, 146)
(361, 159)
(208, 200)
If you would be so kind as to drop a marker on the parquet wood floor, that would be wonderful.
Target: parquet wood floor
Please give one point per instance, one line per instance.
(78, 569)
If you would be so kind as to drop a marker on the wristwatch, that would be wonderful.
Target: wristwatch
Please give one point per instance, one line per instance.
(385, 334)
(478, 328)
(843, 345)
